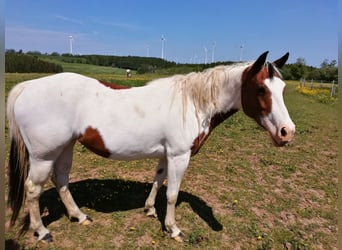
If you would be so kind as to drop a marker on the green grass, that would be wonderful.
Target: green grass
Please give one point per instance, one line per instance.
(88, 68)
(239, 191)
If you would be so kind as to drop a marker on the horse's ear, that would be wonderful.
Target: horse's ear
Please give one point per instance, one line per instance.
(281, 61)
(258, 64)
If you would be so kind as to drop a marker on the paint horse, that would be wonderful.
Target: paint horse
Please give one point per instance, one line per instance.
(169, 119)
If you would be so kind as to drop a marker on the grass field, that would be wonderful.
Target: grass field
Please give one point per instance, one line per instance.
(83, 68)
(239, 192)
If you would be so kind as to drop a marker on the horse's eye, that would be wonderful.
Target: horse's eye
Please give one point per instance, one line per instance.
(261, 91)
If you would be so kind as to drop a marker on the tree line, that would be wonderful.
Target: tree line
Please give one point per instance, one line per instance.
(327, 72)
(23, 63)
(33, 61)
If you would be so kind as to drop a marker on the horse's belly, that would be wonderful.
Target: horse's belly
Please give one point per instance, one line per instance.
(134, 150)
(131, 155)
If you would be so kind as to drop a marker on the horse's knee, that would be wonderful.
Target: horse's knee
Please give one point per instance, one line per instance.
(60, 180)
(172, 199)
(33, 191)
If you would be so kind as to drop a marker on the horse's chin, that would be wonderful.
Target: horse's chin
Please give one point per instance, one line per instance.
(272, 131)
(278, 143)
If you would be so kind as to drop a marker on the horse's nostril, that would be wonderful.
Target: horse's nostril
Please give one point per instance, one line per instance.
(283, 132)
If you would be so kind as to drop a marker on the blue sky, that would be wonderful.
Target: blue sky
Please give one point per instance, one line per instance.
(305, 28)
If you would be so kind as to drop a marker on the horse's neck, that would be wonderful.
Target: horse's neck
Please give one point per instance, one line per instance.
(226, 103)
(230, 95)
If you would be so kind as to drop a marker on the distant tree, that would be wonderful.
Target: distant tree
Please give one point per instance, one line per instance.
(10, 51)
(313, 73)
(55, 54)
(327, 64)
(301, 61)
(34, 52)
(328, 70)
(67, 55)
(22, 63)
(295, 71)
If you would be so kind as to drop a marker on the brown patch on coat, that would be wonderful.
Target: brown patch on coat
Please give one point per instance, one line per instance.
(92, 140)
(255, 95)
(214, 122)
(113, 86)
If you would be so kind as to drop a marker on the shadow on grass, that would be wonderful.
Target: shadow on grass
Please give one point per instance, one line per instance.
(12, 245)
(108, 196)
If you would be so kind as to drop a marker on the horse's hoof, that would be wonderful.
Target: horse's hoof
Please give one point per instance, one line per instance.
(179, 237)
(87, 221)
(151, 212)
(152, 215)
(46, 239)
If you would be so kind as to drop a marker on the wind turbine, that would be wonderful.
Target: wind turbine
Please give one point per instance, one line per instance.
(148, 51)
(195, 58)
(241, 50)
(206, 55)
(162, 46)
(213, 52)
(71, 38)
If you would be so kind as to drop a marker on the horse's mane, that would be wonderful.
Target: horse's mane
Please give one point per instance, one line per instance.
(203, 88)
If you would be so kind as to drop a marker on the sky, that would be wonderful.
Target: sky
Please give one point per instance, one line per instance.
(193, 31)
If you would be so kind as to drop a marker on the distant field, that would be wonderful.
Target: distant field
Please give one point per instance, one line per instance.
(83, 68)
(239, 192)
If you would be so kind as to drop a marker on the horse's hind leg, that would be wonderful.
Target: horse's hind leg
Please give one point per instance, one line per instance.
(60, 178)
(157, 183)
(38, 174)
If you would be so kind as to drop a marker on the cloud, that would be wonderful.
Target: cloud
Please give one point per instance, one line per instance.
(67, 19)
(120, 25)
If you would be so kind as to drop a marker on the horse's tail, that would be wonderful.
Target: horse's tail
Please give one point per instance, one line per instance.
(18, 164)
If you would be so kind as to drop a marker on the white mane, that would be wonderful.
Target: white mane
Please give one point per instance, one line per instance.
(204, 88)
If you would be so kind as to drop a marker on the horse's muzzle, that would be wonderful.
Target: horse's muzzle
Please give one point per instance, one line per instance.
(283, 136)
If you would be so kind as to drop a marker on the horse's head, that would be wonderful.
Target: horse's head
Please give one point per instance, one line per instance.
(262, 98)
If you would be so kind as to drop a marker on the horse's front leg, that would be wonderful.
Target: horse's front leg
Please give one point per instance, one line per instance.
(157, 183)
(176, 168)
